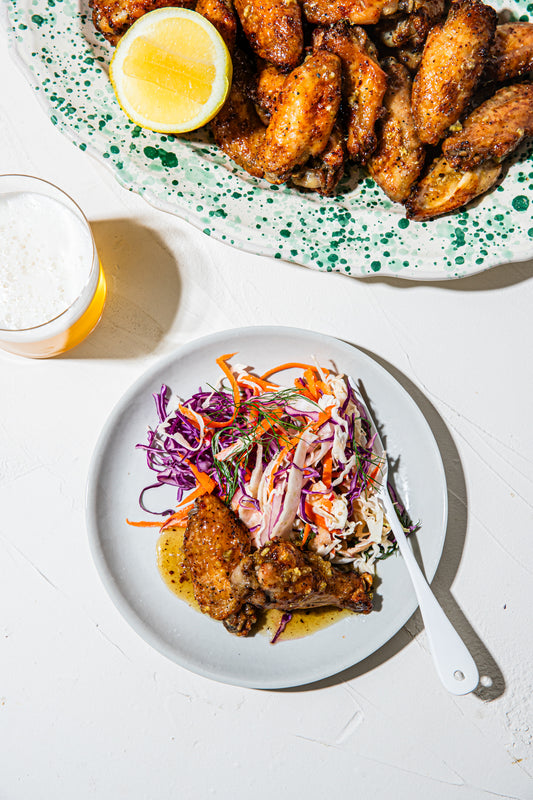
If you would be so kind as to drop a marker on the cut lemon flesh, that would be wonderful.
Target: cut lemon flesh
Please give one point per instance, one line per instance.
(171, 71)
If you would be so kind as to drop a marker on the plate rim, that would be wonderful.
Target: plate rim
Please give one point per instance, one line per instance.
(142, 628)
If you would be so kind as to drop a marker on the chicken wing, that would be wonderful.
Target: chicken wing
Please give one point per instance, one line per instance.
(281, 575)
(453, 59)
(358, 12)
(215, 542)
(322, 173)
(221, 14)
(511, 55)
(113, 17)
(270, 82)
(363, 83)
(411, 29)
(398, 160)
(273, 29)
(304, 116)
(494, 129)
(446, 189)
(237, 129)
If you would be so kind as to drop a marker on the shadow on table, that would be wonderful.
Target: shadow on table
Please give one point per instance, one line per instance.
(492, 683)
(490, 280)
(143, 292)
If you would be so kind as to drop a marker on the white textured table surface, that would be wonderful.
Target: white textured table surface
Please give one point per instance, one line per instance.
(87, 709)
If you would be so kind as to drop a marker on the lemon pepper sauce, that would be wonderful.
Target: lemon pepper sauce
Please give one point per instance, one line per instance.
(172, 568)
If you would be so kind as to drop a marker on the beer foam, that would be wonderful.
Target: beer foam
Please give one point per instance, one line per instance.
(46, 254)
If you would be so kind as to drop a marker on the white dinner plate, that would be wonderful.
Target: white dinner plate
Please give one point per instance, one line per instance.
(126, 557)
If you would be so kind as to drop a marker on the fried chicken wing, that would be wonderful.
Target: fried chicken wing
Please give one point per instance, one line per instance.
(511, 55)
(358, 12)
(113, 17)
(215, 541)
(304, 116)
(446, 189)
(398, 160)
(281, 575)
(453, 59)
(270, 82)
(494, 129)
(221, 14)
(322, 173)
(364, 83)
(412, 28)
(273, 29)
(237, 129)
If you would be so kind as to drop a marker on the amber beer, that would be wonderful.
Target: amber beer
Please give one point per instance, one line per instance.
(52, 286)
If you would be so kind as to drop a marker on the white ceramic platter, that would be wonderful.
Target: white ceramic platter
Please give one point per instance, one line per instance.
(358, 232)
(126, 556)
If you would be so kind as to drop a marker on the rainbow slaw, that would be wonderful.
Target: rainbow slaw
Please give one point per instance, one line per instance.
(292, 461)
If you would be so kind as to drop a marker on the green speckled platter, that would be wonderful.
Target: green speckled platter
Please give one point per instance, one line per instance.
(359, 232)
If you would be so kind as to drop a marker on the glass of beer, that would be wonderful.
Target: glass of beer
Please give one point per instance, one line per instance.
(52, 286)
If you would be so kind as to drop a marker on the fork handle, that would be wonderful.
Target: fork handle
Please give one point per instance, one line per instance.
(455, 666)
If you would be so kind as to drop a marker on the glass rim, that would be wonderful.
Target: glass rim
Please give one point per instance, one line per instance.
(93, 244)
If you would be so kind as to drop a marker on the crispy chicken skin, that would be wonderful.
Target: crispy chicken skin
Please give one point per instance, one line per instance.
(322, 173)
(273, 29)
(270, 82)
(398, 160)
(281, 575)
(494, 129)
(113, 17)
(237, 129)
(511, 55)
(444, 189)
(358, 12)
(454, 57)
(221, 14)
(413, 27)
(304, 116)
(364, 83)
(215, 541)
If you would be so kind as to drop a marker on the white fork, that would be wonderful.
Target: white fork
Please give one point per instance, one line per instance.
(455, 666)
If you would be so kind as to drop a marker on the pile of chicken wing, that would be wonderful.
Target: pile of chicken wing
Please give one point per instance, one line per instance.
(429, 98)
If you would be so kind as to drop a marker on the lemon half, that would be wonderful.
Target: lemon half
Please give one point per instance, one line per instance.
(171, 71)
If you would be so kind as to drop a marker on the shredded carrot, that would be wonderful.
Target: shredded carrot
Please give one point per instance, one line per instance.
(189, 414)
(311, 383)
(327, 469)
(204, 480)
(373, 475)
(306, 533)
(143, 524)
(236, 392)
(288, 365)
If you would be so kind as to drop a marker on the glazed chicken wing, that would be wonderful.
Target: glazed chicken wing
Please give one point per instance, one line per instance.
(446, 189)
(511, 55)
(237, 129)
(215, 542)
(358, 12)
(281, 575)
(411, 29)
(453, 59)
(322, 173)
(494, 129)
(113, 17)
(221, 14)
(304, 116)
(363, 83)
(273, 29)
(398, 160)
(270, 82)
